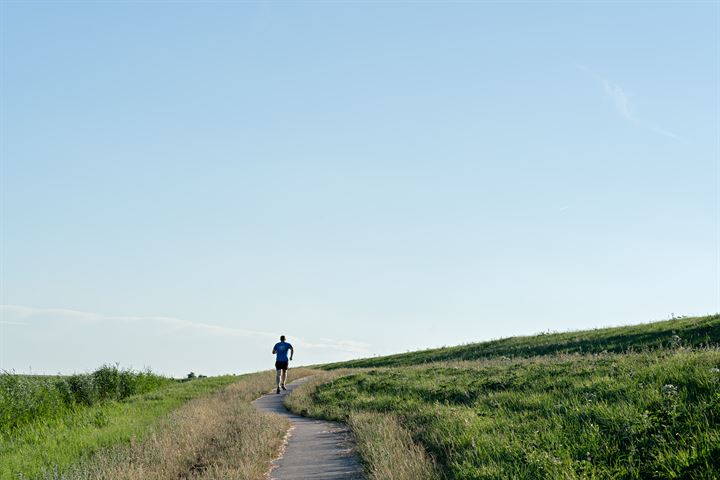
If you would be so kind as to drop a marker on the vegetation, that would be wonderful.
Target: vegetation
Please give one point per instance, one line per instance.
(628, 402)
(215, 436)
(385, 446)
(204, 429)
(54, 442)
(687, 332)
(650, 412)
(24, 399)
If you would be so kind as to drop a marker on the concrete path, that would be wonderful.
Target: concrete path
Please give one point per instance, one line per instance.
(316, 449)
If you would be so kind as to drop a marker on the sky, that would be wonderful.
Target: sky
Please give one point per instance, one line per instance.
(183, 182)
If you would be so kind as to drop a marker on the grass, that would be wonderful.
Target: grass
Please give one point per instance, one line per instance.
(650, 412)
(385, 446)
(378, 434)
(634, 402)
(26, 399)
(216, 436)
(687, 332)
(54, 442)
(204, 428)
(120, 424)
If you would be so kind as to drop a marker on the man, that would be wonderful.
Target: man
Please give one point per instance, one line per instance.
(281, 361)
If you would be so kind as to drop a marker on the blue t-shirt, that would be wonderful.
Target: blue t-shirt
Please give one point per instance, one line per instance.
(281, 350)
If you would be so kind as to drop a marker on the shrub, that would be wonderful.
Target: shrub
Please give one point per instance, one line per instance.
(24, 399)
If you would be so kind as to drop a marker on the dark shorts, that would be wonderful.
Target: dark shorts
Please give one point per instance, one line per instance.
(281, 365)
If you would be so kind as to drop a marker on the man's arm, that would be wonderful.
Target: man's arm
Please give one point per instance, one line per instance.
(292, 352)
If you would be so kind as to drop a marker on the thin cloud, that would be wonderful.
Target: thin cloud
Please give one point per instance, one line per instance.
(345, 345)
(667, 133)
(22, 311)
(622, 101)
(25, 312)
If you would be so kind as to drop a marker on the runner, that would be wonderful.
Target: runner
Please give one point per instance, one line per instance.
(281, 361)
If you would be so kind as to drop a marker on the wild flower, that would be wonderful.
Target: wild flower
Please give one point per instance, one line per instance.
(669, 389)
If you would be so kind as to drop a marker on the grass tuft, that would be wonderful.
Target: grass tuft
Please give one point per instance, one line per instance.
(387, 448)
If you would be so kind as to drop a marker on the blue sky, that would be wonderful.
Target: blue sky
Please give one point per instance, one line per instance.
(183, 182)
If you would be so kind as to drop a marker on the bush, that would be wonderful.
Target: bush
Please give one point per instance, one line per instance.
(24, 399)
(81, 389)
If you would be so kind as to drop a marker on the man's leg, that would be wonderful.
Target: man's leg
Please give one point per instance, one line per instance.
(277, 379)
(284, 377)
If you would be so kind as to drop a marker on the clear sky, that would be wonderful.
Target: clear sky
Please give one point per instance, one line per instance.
(182, 182)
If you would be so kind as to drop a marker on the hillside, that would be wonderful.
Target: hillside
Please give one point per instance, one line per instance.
(687, 332)
(635, 402)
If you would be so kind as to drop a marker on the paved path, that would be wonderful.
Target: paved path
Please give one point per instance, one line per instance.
(316, 449)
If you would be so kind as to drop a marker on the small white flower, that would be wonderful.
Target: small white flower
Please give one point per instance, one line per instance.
(669, 389)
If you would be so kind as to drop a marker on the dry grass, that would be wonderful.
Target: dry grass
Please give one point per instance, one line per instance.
(385, 446)
(388, 450)
(220, 436)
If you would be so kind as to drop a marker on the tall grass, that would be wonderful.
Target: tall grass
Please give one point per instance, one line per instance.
(25, 399)
(219, 436)
(202, 429)
(384, 445)
(387, 448)
(642, 415)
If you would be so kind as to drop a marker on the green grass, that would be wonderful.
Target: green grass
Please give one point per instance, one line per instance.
(620, 403)
(25, 399)
(53, 442)
(639, 415)
(634, 402)
(688, 332)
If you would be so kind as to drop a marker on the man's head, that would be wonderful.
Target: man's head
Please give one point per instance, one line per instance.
(282, 338)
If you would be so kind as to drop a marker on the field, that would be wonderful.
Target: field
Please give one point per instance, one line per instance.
(644, 404)
(117, 424)
(639, 402)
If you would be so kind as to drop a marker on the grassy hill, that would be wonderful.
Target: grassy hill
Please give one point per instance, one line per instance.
(687, 332)
(626, 402)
